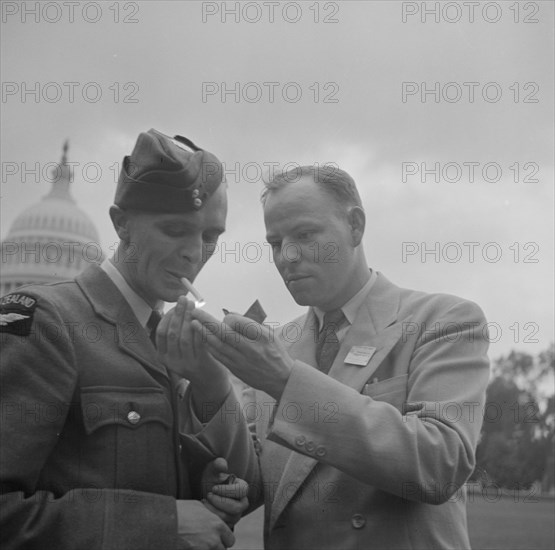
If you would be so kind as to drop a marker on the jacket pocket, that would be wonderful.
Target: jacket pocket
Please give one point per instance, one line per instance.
(129, 407)
(392, 390)
(128, 439)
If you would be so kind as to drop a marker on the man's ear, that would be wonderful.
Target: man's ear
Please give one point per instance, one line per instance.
(120, 220)
(357, 222)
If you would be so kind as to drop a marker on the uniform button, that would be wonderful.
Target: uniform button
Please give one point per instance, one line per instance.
(195, 193)
(320, 451)
(197, 203)
(358, 521)
(310, 446)
(300, 440)
(133, 417)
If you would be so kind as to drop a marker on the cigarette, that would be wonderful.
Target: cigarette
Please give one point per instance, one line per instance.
(199, 300)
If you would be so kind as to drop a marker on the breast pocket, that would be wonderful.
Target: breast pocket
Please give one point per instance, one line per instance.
(129, 431)
(132, 408)
(392, 390)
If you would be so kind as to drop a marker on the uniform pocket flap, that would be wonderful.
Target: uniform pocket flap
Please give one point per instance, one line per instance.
(129, 407)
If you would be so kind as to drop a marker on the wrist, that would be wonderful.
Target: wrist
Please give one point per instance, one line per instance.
(277, 386)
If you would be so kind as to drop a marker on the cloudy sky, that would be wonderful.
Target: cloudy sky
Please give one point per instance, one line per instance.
(445, 120)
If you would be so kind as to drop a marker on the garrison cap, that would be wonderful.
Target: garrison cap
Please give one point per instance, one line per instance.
(167, 175)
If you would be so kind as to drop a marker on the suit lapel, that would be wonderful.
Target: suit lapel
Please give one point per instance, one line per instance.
(358, 335)
(375, 327)
(109, 304)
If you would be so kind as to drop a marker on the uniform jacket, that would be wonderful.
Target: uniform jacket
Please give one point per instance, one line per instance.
(376, 456)
(95, 443)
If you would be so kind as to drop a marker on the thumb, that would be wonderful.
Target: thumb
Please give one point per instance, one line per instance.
(213, 474)
(215, 469)
(219, 466)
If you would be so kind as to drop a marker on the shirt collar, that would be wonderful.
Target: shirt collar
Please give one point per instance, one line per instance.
(139, 307)
(351, 308)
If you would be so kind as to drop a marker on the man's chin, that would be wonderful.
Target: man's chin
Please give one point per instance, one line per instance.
(171, 295)
(301, 298)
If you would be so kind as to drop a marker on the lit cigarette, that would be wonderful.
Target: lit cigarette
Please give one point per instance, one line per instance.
(199, 300)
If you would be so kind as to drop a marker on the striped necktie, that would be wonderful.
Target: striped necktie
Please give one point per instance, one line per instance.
(328, 343)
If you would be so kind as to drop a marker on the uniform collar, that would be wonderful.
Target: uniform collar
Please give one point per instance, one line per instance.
(351, 308)
(140, 308)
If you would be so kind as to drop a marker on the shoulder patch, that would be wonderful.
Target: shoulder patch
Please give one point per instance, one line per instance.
(16, 313)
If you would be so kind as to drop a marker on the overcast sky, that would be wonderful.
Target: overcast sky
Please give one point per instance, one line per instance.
(381, 89)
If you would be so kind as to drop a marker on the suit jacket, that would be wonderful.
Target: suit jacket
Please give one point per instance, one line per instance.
(376, 456)
(96, 446)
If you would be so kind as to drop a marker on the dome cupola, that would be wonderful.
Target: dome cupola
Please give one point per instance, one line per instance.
(52, 240)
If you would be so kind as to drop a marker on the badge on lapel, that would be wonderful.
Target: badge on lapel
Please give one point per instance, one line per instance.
(360, 355)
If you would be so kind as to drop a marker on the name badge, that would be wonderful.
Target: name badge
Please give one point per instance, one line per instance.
(360, 355)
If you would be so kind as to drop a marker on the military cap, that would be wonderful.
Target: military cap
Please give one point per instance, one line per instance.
(169, 175)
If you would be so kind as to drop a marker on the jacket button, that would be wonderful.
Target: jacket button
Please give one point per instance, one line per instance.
(310, 446)
(320, 451)
(358, 521)
(133, 417)
(300, 440)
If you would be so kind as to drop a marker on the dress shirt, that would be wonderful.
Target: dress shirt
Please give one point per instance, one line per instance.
(351, 308)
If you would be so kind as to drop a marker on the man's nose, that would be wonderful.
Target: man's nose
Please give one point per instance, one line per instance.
(290, 252)
(192, 249)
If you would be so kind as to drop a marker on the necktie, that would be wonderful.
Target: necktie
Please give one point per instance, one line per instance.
(328, 343)
(152, 324)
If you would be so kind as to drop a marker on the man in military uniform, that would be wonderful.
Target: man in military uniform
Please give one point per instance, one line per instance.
(103, 443)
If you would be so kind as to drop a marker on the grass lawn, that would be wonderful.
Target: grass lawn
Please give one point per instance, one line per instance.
(501, 525)
(509, 525)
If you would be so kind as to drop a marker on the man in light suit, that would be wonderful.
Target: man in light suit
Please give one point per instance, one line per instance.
(368, 408)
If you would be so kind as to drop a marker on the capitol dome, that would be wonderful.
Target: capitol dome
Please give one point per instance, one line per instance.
(52, 240)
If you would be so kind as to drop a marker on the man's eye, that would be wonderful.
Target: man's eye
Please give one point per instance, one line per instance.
(305, 235)
(175, 232)
(211, 237)
(276, 245)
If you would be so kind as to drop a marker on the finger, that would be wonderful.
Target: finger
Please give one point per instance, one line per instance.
(248, 329)
(209, 332)
(213, 331)
(161, 332)
(213, 474)
(220, 466)
(240, 323)
(204, 317)
(186, 336)
(216, 467)
(181, 305)
(236, 490)
(227, 537)
(174, 328)
(197, 341)
(228, 506)
(218, 350)
(237, 332)
(226, 355)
